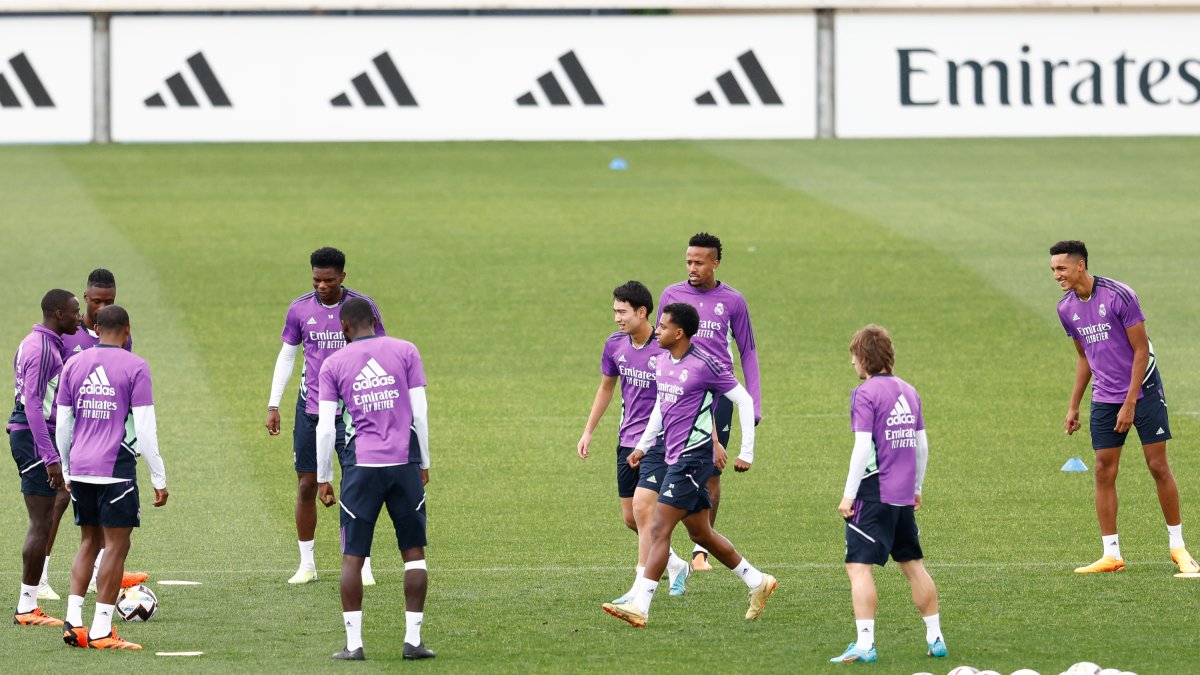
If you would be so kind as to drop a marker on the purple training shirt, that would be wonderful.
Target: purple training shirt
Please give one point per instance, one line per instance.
(890, 410)
(724, 320)
(687, 390)
(635, 366)
(83, 340)
(36, 369)
(371, 377)
(1099, 325)
(319, 329)
(103, 385)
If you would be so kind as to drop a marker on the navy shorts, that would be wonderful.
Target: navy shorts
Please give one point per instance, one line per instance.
(106, 504)
(876, 530)
(34, 479)
(686, 486)
(304, 439)
(627, 478)
(1149, 418)
(652, 470)
(365, 489)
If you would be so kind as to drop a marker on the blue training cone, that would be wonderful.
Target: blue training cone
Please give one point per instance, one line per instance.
(618, 164)
(1074, 464)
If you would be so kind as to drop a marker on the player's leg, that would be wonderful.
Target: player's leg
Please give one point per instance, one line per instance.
(61, 501)
(406, 506)
(906, 551)
(1107, 443)
(75, 633)
(304, 454)
(1154, 430)
(120, 512)
(865, 601)
(723, 421)
(760, 585)
(363, 491)
(635, 612)
(652, 473)
(40, 508)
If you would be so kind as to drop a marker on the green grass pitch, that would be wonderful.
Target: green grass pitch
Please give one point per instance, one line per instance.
(498, 260)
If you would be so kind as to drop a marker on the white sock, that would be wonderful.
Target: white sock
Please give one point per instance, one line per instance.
(748, 574)
(75, 610)
(1174, 532)
(699, 549)
(367, 566)
(306, 555)
(45, 572)
(101, 622)
(866, 633)
(641, 571)
(645, 593)
(96, 567)
(353, 621)
(674, 562)
(933, 628)
(27, 600)
(412, 627)
(1111, 546)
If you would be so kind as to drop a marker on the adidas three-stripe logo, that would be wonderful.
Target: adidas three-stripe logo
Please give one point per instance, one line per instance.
(553, 91)
(901, 412)
(386, 68)
(29, 81)
(733, 91)
(372, 375)
(183, 93)
(97, 384)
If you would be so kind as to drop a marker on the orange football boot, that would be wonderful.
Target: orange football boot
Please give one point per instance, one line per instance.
(36, 618)
(75, 636)
(113, 641)
(131, 579)
(700, 562)
(1105, 564)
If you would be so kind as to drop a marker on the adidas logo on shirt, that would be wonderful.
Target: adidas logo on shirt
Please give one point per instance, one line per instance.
(622, 359)
(372, 375)
(78, 348)
(1075, 317)
(312, 320)
(97, 384)
(901, 413)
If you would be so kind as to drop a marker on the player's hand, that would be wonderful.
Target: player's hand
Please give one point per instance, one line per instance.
(846, 507)
(325, 493)
(582, 447)
(424, 477)
(272, 422)
(160, 497)
(916, 502)
(740, 465)
(1071, 424)
(1125, 417)
(54, 471)
(635, 458)
(720, 456)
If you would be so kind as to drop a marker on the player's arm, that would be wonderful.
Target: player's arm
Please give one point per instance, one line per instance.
(860, 456)
(745, 407)
(1083, 375)
(325, 438)
(720, 455)
(922, 462)
(34, 393)
(1141, 358)
(420, 410)
(654, 427)
(64, 433)
(146, 428)
(604, 396)
(284, 364)
(743, 335)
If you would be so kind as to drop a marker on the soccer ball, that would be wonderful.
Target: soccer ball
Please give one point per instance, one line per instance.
(1085, 668)
(137, 603)
(1025, 671)
(963, 670)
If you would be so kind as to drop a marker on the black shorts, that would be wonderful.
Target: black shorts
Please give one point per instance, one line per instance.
(877, 530)
(304, 439)
(364, 491)
(106, 504)
(1149, 418)
(686, 486)
(627, 477)
(652, 470)
(30, 467)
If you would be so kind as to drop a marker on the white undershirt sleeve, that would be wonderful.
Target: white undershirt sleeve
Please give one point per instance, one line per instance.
(325, 438)
(653, 429)
(420, 410)
(63, 435)
(861, 456)
(283, 370)
(922, 457)
(147, 444)
(745, 406)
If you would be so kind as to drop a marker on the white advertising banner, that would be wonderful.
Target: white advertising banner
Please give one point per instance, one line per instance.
(1004, 74)
(46, 80)
(468, 78)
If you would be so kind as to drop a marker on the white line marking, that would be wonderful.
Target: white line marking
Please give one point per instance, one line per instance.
(178, 653)
(176, 582)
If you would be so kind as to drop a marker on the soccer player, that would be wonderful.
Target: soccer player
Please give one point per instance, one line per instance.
(630, 356)
(104, 391)
(688, 380)
(36, 369)
(312, 321)
(101, 292)
(1105, 320)
(380, 384)
(883, 491)
(724, 320)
